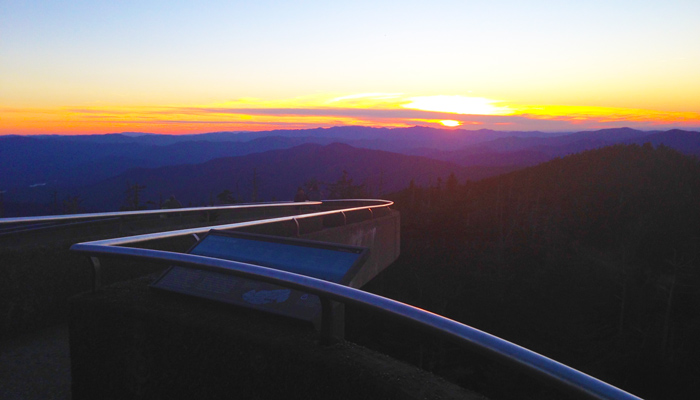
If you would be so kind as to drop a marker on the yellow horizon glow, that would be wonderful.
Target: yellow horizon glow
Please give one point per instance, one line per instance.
(605, 114)
(319, 110)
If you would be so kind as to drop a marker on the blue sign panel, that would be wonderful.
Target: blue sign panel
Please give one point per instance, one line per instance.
(328, 261)
(240, 291)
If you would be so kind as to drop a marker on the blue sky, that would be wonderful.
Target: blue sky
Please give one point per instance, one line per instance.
(641, 55)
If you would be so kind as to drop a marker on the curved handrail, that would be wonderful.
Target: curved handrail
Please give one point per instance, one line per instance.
(462, 334)
(191, 231)
(465, 335)
(63, 217)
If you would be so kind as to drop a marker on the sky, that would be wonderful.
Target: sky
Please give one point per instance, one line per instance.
(87, 67)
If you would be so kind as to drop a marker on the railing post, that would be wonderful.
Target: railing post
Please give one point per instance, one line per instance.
(96, 273)
(332, 321)
(298, 228)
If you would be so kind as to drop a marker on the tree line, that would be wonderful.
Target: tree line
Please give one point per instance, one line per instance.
(591, 259)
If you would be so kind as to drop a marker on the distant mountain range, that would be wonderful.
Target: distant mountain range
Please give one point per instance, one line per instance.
(276, 175)
(40, 169)
(527, 151)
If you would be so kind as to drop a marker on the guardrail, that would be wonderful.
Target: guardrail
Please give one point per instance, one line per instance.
(108, 243)
(559, 374)
(120, 214)
(23, 231)
(374, 204)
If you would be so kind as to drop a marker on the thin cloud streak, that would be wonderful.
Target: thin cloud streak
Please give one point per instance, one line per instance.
(193, 119)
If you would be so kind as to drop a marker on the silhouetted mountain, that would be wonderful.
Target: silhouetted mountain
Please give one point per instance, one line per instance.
(277, 175)
(401, 139)
(684, 141)
(29, 160)
(527, 151)
(58, 163)
(45, 167)
(61, 163)
(417, 136)
(591, 259)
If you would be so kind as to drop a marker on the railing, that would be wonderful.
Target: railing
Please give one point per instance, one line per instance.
(372, 204)
(22, 231)
(559, 374)
(44, 220)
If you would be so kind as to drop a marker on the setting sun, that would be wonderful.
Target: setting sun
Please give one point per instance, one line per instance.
(450, 122)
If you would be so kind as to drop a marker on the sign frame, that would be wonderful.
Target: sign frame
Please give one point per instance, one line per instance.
(249, 293)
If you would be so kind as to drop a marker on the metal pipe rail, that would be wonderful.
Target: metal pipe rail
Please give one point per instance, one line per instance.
(368, 205)
(194, 231)
(559, 374)
(64, 217)
(465, 335)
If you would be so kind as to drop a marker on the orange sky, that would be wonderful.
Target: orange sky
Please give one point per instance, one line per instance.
(192, 67)
(380, 110)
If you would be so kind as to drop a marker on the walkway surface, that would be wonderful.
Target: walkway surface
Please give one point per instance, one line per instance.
(36, 366)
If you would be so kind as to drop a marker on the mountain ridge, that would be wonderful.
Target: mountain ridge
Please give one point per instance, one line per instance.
(278, 174)
(39, 169)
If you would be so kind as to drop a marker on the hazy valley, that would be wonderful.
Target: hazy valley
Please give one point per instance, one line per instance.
(38, 174)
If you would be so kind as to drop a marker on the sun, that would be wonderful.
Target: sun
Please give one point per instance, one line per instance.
(450, 122)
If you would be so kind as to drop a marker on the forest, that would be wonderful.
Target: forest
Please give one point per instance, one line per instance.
(590, 259)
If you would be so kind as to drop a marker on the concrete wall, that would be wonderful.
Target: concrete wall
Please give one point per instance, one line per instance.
(130, 342)
(381, 235)
(38, 273)
(379, 231)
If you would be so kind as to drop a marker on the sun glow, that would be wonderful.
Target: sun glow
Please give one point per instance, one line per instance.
(313, 111)
(457, 105)
(450, 122)
(604, 114)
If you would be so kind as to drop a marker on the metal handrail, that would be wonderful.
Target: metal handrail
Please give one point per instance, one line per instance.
(462, 334)
(63, 217)
(191, 231)
(562, 375)
(97, 266)
(18, 229)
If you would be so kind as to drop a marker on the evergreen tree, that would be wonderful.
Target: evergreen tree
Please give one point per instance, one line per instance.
(344, 188)
(226, 197)
(133, 200)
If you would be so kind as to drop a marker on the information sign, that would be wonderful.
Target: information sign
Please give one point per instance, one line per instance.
(328, 261)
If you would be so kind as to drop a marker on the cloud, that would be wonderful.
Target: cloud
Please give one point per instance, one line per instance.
(457, 105)
(373, 96)
(370, 109)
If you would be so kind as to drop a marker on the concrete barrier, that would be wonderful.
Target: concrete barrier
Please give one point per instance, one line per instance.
(128, 341)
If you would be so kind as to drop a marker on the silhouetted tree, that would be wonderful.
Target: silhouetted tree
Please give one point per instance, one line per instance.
(344, 188)
(71, 205)
(133, 200)
(589, 257)
(312, 187)
(254, 195)
(451, 184)
(226, 197)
